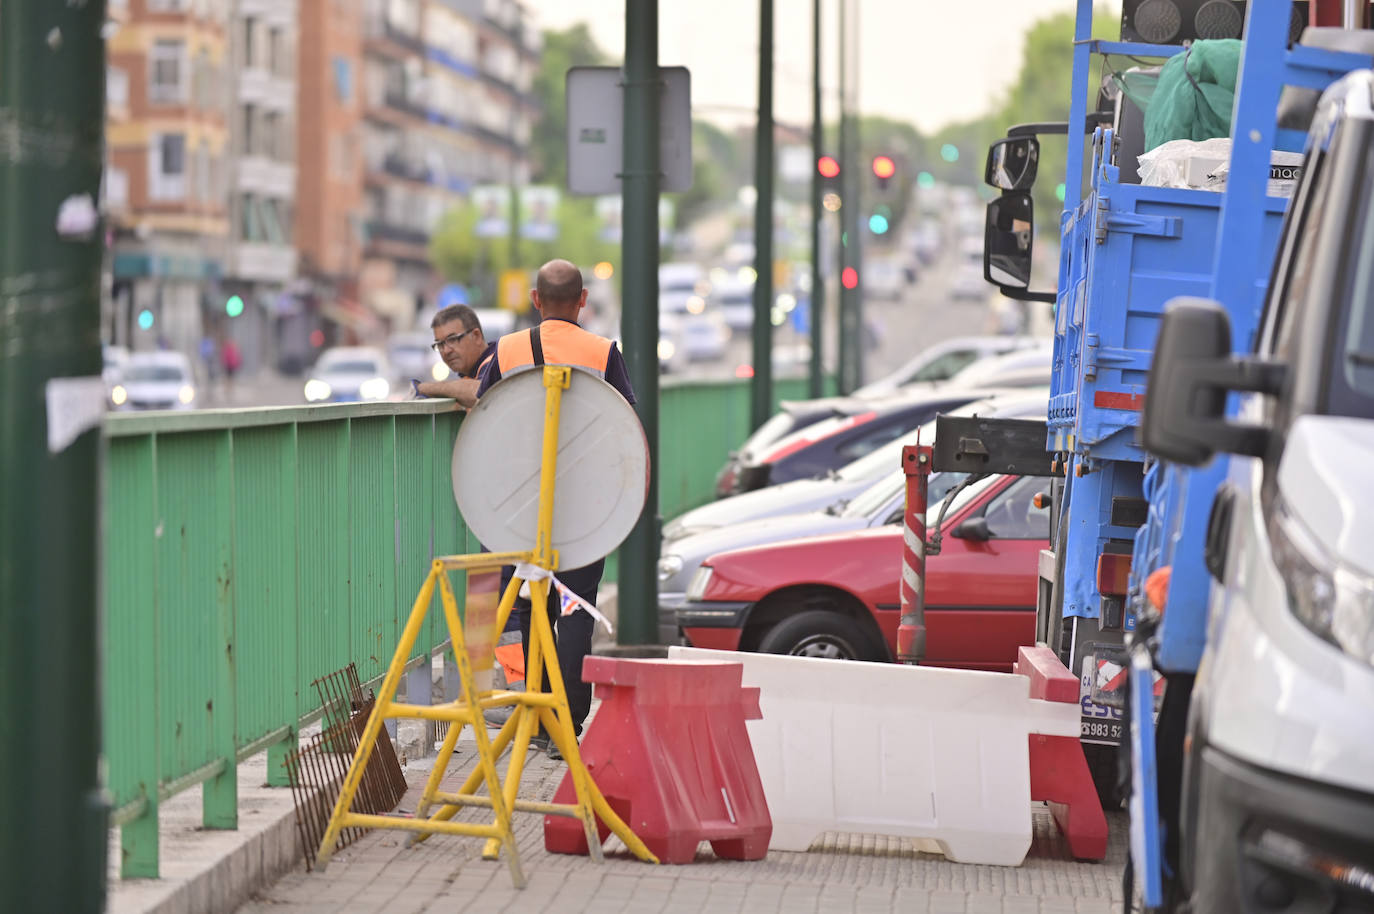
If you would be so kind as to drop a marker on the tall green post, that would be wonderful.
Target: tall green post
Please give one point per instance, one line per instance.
(52, 98)
(761, 401)
(848, 206)
(817, 306)
(640, 181)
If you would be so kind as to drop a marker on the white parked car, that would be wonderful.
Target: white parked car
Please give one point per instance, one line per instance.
(705, 336)
(347, 374)
(155, 380)
(412, 357)
(735, 299)
(942, 361)
(681, 288)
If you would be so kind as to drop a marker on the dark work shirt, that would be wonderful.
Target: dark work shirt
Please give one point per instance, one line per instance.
(616, 373)
(488, 353)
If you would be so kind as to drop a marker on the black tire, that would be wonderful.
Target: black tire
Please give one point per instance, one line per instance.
(820, 633)
(1104, 763)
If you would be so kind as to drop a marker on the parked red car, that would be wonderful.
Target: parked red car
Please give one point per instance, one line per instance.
(837, 596)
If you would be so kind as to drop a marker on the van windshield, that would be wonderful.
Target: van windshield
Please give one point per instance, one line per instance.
(1351, 385)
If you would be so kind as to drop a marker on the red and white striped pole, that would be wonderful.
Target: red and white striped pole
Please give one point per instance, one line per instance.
(911, 632)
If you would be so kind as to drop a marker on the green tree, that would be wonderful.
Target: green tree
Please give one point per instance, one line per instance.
(571, 47)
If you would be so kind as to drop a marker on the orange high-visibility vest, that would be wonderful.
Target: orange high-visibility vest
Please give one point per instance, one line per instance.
(563, 342)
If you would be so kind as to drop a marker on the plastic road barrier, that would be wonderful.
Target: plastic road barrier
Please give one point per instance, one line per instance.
(670, 751)
(897, 750)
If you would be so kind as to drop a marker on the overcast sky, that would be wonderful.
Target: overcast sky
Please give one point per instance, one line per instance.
(927, 62)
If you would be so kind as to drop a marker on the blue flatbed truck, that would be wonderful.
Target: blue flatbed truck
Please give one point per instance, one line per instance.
(1122, 518)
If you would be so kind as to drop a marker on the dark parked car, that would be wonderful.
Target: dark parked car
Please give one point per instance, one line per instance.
(831, 443)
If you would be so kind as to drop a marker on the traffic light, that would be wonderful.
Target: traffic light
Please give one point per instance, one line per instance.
(949, 152)
(883, 168)
(877, 224)
(829, 167)
(234, 306)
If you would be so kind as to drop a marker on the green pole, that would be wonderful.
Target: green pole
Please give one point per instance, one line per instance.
(761, 389)
(638, 598)
(52, 97)
(849, 207)
(817, 313)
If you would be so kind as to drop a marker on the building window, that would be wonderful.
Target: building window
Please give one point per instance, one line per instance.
(168, 6)
(343, 80)
(249, 33)
(247, 137)
(167, 167)
(116, 87)
(204, 183)
(167, 79)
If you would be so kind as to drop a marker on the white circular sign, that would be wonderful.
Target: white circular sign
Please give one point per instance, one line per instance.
(603, 467)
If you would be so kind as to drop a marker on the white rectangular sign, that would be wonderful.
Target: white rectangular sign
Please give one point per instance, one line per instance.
(596, 115)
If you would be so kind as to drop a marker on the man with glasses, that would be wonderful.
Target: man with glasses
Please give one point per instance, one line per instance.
(459, 341)
(559, 297)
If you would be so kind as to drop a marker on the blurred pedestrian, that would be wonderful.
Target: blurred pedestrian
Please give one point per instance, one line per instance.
(460, 343)
(559, 297)
(232, 360)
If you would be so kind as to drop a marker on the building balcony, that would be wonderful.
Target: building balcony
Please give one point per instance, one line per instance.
(398, 234)
(267, 90)
(266, 177)
(257, 261)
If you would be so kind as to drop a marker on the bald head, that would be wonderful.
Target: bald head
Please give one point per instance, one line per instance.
(558, 290)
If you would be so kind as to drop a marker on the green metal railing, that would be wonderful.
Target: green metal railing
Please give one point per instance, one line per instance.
(248, 552)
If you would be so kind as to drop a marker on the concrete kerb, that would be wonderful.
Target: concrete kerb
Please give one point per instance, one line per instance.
(211, 870)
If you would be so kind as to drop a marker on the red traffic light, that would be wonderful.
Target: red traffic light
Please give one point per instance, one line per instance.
(884, 167)
(849, 278)
(828, 166)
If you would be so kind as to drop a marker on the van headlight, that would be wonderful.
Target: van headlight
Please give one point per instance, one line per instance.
(317, 390)
(439, 372)
(118, 395)
(186, 394)
(669, 567)
(374, 389)
(1334, 601)
(700, 581)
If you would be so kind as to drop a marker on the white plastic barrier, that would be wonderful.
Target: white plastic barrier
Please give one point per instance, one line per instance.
(896, 750)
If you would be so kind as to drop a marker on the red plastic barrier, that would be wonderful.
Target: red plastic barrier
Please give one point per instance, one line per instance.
(1058, 771)
(669, 750)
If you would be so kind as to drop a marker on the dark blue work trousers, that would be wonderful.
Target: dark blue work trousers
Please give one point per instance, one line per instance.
(572, 633)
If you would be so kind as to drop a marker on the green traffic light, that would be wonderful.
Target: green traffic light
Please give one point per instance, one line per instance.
(925, 180)
(234, 306)
(1059, 192)
(877, 224)
(949, 152)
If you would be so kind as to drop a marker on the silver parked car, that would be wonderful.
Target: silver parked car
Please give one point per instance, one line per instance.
(817, 494)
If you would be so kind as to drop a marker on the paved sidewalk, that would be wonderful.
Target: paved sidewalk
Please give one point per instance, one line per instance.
(842, 873)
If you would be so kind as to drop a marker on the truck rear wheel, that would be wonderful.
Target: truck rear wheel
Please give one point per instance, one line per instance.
(1104, 766)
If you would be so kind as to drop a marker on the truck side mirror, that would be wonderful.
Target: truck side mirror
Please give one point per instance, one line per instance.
(1008, 239)
(1184, 419)
(975, 528)
(1012, 163)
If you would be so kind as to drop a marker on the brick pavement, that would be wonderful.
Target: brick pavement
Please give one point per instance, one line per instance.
(842, 873)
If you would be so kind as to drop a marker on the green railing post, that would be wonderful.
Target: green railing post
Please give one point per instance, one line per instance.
(131, 569)
(288, 675)
(52, 97)
(220, 795)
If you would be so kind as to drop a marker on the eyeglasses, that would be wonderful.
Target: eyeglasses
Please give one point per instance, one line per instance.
(453, 339)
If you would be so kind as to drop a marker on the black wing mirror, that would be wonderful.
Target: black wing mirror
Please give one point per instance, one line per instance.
(1184, 419)
(1012, 163)
(975, 528)
(1008, 237)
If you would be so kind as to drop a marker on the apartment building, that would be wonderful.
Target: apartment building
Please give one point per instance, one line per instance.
(260, 253)
(168, 154)
(399, 99)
